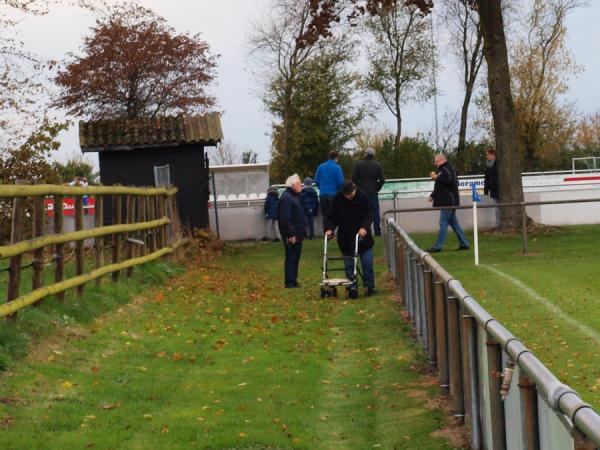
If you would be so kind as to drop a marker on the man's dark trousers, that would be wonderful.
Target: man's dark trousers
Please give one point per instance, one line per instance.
(326, 202)
(374, 202)
(292, 260)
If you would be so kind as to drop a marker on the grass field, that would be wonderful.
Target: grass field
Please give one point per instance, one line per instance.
(222, 357)
(549, 298)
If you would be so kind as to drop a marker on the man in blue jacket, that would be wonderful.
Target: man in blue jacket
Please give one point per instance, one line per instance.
(291, 228)
(329, 179)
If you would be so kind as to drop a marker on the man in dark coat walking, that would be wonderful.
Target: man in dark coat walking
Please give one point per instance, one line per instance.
(445, 193)
(291, 228)
(350, 214)
(490, 184)
(369, 178)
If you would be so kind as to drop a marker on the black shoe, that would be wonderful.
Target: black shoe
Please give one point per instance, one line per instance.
(434, 250)
(292, 286)
(264, 239)
(371, 292)
(463, 247)
(352, 293)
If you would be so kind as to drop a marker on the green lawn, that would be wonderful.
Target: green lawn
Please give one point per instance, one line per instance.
(550, 298)
(222, 357)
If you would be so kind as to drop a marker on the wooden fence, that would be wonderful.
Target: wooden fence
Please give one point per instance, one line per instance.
(145, 226)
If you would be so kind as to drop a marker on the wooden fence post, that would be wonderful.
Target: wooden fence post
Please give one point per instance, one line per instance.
(142, 218)
(99, 242)
(160, 213)
(151, 216)
(39, 220)
(116, 238)
(16, 235)
(130, 220)
(79, 245)
(59, 249)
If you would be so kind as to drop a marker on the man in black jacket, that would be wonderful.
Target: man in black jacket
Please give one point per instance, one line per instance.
(291, 228)
(369, 178)
(351, 215)
(490, 184)
(445, 193)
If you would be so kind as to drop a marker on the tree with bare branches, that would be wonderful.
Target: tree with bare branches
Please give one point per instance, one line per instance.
(401, 58)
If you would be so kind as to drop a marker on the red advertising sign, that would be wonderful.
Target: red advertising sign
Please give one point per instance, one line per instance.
(69, 205)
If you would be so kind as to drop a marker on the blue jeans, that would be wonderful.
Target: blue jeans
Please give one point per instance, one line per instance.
(292, 260)
(448, 217)
(374, 202)
(366, 262)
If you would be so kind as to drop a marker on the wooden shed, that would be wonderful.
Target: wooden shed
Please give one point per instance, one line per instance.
(129, 150)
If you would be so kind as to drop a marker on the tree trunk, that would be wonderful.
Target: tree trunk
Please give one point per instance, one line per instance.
(398, 132)
(503, 111)
(462, 133)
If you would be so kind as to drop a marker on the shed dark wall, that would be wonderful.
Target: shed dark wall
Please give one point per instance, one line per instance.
(189, 173)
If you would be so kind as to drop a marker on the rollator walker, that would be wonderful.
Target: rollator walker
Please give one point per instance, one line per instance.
(329, 285)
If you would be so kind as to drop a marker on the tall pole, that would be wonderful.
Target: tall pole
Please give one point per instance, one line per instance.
(434, 81)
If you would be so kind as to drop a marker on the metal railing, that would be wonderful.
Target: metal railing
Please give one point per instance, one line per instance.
(507, 398)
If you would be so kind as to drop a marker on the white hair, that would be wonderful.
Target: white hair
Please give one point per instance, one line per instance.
(293, 180)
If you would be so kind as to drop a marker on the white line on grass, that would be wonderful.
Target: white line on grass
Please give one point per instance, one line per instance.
(546, 303)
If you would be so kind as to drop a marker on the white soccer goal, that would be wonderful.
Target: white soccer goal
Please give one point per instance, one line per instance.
(585, 164)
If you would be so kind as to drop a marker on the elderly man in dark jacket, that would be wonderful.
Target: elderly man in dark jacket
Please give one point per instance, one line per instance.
(351, 215)
(291, 228)
(368, 176)
(445, 193)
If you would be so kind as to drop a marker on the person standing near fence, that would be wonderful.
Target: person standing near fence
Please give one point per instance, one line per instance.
(368, 176)
(445, 193)
(329, 179)
(291, 227)
(271, 210)
(490, 183)
(310, 203)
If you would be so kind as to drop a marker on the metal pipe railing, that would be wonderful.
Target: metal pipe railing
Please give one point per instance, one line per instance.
(475, 356)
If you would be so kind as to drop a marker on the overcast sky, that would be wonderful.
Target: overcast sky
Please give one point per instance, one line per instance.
(224, 24)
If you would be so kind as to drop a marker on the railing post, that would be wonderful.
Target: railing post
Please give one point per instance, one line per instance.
(471, 377)
(529, 409)
(39, 219)
(116, 238)
(160, 242)
(99, 241)
(440, 337)
(454, 354)
(498, 426)
(430, 316)
(79, 245)
(59, 249)
(16, 235)
(421, 304)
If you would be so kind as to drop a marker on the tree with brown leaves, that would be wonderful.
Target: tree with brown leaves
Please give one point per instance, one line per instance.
(135, 65)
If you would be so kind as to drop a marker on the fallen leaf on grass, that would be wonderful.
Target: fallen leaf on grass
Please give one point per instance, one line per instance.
(95, 369)
(164, 430)
(108, 406)
(242, 435)
(159, 297)
(67, 385)
(177, 356)
(148, 416)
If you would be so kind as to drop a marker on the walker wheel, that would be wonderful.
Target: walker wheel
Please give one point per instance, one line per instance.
(334, 292)
(324, 293)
